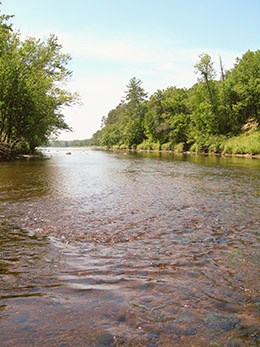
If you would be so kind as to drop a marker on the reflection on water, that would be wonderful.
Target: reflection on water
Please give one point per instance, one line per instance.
(114, 249)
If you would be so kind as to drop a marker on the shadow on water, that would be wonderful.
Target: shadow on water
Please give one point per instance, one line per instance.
(113, 249)
(205, 160)
(26, 179)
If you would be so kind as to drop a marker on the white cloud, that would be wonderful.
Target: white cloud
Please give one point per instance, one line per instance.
(95, 47)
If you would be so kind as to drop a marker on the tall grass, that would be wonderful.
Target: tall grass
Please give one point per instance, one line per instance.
(247, 143)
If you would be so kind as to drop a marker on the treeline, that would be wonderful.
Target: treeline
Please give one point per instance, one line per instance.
(204, 117)
(75, 143)
(70, 143)
(32, 93)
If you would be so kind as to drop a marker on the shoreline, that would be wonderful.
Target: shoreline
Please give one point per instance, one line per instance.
(237, 155)
(39, 154)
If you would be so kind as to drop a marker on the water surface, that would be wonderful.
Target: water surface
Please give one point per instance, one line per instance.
(115, 249)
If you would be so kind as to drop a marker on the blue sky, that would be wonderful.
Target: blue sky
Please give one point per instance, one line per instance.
(157, 41)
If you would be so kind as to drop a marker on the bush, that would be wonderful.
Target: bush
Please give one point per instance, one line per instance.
(167, 146)
(195, 147)
(179, 148)
(208, 144)
(156, 146)
(123, 146)
(148, 145)
(22, 148)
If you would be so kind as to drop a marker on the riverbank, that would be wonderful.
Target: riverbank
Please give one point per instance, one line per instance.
(125, 150)
(246, 144)
(9, 152)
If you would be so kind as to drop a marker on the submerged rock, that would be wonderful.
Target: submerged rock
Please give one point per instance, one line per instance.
(224, 322)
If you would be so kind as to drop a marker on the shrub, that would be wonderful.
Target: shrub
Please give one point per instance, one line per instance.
(195, 147)
(148, 145)
(167, 146)
(208, 144)
(123, 146)
(179, 148)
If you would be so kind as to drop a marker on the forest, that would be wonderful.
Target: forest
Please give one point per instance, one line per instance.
(33, 73)
(213, 116)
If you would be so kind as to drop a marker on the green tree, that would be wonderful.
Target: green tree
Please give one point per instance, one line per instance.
(206, 69)
(177, 113)
(156, 126)
(241, 91)
(167, 117)
(111, 132)
(199, 118)
(133, 117)
(32, 94)
(203, 122)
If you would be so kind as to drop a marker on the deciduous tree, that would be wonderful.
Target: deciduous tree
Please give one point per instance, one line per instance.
(32, 93)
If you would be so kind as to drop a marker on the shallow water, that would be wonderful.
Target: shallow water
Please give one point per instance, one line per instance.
(115, 249)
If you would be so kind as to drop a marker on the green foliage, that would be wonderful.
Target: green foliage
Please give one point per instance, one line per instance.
(208, 144)
(168, 146)
(135, 94)
(248, 143)
(199, 119)
(156, 126)
(148, 145)
(241, 91)
(32, 94)
(124, 125)
(204, 118)
(205, 68)
(134, 111)
(167, 116)
(179, 147)
(110, 135)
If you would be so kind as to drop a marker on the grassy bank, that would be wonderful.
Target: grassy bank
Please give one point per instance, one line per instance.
(247, 143)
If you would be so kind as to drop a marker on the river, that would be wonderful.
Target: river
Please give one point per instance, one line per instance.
(123, 249)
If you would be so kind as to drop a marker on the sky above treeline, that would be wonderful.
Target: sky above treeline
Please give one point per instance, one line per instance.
(157, 41)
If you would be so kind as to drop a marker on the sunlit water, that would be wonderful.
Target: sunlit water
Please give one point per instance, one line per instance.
(122, 249)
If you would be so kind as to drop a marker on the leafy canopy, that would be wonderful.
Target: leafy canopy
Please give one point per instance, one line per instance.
(33, 73)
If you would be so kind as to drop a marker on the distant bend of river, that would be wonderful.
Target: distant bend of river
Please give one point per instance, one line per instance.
(123, 249)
